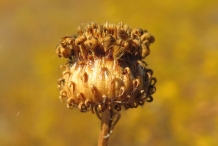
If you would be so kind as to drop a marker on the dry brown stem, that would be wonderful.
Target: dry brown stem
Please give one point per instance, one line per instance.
(109, 118)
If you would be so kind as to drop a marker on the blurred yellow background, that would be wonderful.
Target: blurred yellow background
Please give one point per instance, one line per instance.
(184, 59)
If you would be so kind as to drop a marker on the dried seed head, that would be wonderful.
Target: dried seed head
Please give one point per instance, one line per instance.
(105, 68)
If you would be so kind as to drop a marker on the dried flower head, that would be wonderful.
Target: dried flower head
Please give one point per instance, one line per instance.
(106, 68)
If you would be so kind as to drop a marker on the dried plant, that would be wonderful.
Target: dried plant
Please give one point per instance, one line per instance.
(106, 71)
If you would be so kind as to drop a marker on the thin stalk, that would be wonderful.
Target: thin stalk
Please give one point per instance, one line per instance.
(106, 125)
(109, 119)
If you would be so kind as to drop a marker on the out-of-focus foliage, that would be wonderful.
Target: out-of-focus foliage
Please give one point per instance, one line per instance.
(184, 60)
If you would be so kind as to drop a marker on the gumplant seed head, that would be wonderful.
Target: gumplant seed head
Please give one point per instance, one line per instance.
(105, 68)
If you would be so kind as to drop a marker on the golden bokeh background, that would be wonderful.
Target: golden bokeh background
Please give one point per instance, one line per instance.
(184, 59)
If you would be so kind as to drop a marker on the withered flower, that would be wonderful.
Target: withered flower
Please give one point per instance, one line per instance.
(106, 69)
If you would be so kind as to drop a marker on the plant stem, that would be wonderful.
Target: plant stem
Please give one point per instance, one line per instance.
(109, 119)
(106, 127)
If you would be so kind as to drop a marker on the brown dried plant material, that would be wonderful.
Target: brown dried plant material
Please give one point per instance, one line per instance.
(105, 69)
